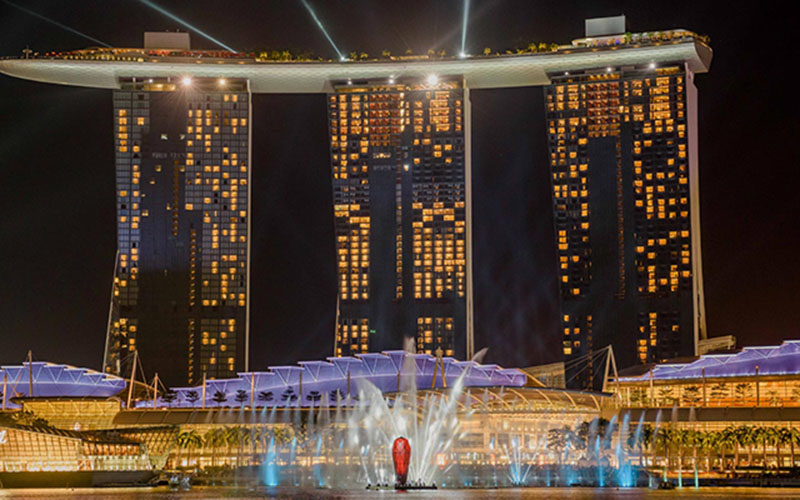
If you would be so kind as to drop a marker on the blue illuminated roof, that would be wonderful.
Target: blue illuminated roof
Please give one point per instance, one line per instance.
(326, 382)
(57, 380)
(783, 359)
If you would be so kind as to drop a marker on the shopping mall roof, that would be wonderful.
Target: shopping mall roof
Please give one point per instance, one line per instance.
(103, 68)
(312, 382)
(778, 360)
(57, 380)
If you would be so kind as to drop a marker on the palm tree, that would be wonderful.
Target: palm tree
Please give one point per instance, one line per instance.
(691, 395)
(265, 396)
(336, 395)
(288, 396)
(169, 397)
(727, 438)
(240, 437)
(681, 437)
(783, 436)
(738, 437)
(665, 395)
(231, 439)
(794, 440)
(742, 391)
(763, 437)
(213, 439)
(744, 438)
(188, 440)
(241, 396)
(665, 437)
(192, 397)
(556, 440)
(640, 441)
(718, 391)
(710, 441)
(219, 397)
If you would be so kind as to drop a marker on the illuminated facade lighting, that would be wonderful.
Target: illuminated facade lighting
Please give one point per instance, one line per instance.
(401, 233)
(187, 80)
(624, 174)
(432, 79)
(183, 185)
(222, 82)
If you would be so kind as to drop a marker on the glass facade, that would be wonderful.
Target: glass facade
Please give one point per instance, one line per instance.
(33, 450)
(183, 183)
(399, 190)
(623, 164)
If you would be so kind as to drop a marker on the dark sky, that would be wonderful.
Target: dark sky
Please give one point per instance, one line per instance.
(57, 232)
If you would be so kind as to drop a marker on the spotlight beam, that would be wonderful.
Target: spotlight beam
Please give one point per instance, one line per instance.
(56, 23)
(322, 28)
(464, 19)
(185, 24)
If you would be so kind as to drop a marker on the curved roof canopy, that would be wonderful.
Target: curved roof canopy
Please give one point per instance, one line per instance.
(314, 383)
(511, 70)
(770, 360)
(57, 380)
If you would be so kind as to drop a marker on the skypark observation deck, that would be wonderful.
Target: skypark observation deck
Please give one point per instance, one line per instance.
(104, 68)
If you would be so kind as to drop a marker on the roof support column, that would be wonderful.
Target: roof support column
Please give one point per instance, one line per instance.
(470, 341)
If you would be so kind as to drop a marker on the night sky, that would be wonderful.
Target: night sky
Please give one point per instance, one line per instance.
(57, 228)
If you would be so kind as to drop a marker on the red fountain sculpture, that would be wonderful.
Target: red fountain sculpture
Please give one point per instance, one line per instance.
(401, 454)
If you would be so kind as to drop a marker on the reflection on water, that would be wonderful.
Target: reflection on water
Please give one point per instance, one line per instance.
(163, 493)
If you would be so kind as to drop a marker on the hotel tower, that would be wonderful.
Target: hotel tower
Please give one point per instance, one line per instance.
(621, 117)
(623, 158)
(183, 180)
(399, 164)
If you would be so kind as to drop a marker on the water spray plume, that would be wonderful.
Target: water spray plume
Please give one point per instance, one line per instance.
(56, 23)
(324, 31)
(185, 24)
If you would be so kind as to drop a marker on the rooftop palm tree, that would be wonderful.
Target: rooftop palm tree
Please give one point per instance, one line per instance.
(219, 397)
(241, 396)
(265, 396)
(192, 396)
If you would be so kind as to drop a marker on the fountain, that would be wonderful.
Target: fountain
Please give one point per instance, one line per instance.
(335, 424)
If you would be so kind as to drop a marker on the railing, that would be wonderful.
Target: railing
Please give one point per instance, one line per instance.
(147, 55)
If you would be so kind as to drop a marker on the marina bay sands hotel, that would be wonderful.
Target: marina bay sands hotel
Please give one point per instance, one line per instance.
(621, 119)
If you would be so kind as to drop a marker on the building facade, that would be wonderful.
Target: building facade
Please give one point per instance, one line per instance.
(623, 158)
(181, 286)
(400, 171)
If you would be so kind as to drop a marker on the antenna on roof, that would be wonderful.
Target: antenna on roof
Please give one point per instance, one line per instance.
(30, 374)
